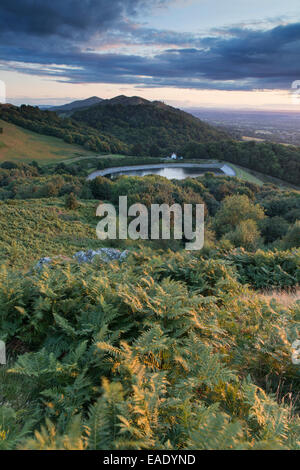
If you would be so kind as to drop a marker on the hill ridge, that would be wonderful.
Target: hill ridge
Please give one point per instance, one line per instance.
(92, 100)
(152, 127)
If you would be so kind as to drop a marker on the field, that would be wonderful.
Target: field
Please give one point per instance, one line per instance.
(20, 145)
(246, 175)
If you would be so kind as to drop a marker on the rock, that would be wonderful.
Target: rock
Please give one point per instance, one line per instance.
(106, 255)
(40, 264)
(124, 255)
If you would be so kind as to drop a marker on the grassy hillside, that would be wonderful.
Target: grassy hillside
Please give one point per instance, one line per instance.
(132, 126)
(31, 229)
(21, 145)
(167, 349)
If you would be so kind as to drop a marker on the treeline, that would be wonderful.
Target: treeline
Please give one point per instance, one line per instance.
(48, 123)
(271, 159)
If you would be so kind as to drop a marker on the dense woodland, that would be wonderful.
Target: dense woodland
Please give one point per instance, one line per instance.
(151, 129)
(280, 161)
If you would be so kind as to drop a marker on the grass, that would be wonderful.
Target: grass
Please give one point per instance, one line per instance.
(21, 145)
(31, 229)
(259, 178)
(282, 297)
(90, 156)
(246, 175)
(86, 157)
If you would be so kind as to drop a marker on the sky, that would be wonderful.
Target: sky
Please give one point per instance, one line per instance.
(189, 53)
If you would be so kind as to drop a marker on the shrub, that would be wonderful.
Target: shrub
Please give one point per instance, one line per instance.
(71, 202)
(245, 235)
(273, 228)
(265, 269)
(234, 210)
(101, 188)
(292, 238)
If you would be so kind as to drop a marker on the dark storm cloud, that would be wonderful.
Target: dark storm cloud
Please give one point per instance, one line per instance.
(66, 18)
(34, 34)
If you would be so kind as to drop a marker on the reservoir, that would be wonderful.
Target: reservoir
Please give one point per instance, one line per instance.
(177, 171)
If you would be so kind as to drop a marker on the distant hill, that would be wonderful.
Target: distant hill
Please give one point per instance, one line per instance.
(151, 128)
(70, 107)
(125, 101)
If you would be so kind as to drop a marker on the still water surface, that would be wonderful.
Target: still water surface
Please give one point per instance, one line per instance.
(178, 173)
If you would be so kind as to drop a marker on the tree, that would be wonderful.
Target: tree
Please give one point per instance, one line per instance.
(245, 235)
(101, 188)
(137, 149)
(154, 151)
(235, 209)
(292, 238)
(273, 228)
(68, 138)
(71, 202)
(50, 190)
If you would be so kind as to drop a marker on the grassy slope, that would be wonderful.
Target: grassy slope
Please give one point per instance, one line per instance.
(259, 178)
(246, 175)
(35, 228)
(21, 145)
